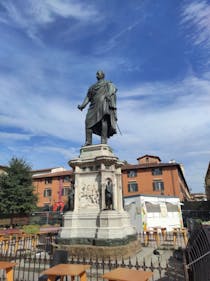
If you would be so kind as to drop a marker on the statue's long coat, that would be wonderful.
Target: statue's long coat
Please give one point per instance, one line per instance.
(102, 98)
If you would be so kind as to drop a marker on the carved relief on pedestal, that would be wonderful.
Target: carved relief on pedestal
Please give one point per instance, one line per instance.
(89, 196)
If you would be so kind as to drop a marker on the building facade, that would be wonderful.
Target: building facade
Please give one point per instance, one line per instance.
(152, 177)
(149, 177)
(52, 187)
(207, 183)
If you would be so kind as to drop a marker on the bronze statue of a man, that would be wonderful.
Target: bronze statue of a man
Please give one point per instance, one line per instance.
(101, 117)
(71, 199)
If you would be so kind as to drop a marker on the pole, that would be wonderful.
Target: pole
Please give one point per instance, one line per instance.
(119, 129)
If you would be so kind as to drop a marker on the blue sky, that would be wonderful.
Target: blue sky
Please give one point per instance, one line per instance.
(156, 52)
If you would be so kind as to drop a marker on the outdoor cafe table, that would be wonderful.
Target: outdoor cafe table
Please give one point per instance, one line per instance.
(125, 274)
(8, 266)
(67, 270)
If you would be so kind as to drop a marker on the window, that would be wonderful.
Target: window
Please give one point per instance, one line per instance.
(156, 171)
(172, 207)
(47, 192)
(152, 208)
(132, 173)
(66, 179)
(132, 186)
(48, 180)
(158, 185)
(65, 191)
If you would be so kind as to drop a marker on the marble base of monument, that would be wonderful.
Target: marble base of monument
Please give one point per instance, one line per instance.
(130, 249)
(90, 223)
(106, 228)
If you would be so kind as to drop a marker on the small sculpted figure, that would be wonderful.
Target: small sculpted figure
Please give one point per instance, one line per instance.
(71, 199)
(109, 195)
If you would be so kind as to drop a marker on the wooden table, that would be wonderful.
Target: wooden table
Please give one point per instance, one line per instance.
(151, 233)
(8, 266)
(125, 274)
(67, 269)
(183, 232)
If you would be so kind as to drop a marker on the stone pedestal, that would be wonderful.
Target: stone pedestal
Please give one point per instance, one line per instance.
(91, 223)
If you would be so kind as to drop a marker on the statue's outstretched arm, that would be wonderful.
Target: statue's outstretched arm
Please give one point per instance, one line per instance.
(83, 105)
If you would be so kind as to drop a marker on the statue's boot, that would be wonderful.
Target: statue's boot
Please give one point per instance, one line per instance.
(104, 131)
(88, 137)
(103, 140)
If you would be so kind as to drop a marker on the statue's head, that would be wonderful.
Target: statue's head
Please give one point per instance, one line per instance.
(100, 74)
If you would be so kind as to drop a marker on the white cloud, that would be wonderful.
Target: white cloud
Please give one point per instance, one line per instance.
(68, 154)
(53, 120)
(37, 114)
(31, 14)
(196, 19)
(172, 89)
(75, 9)
(42, 12)
(14, 136)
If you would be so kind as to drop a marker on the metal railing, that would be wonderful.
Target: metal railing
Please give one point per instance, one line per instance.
(198, 254)
(33, 254)
(30, 266)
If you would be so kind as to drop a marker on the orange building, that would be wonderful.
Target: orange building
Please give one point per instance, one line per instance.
(52, 187)
(152, 177)
(149, 177)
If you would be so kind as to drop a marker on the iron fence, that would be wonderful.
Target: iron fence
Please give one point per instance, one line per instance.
(198, 254)
(33, 254)
(31, 265)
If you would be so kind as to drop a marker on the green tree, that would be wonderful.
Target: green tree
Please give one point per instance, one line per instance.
(16, 189)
